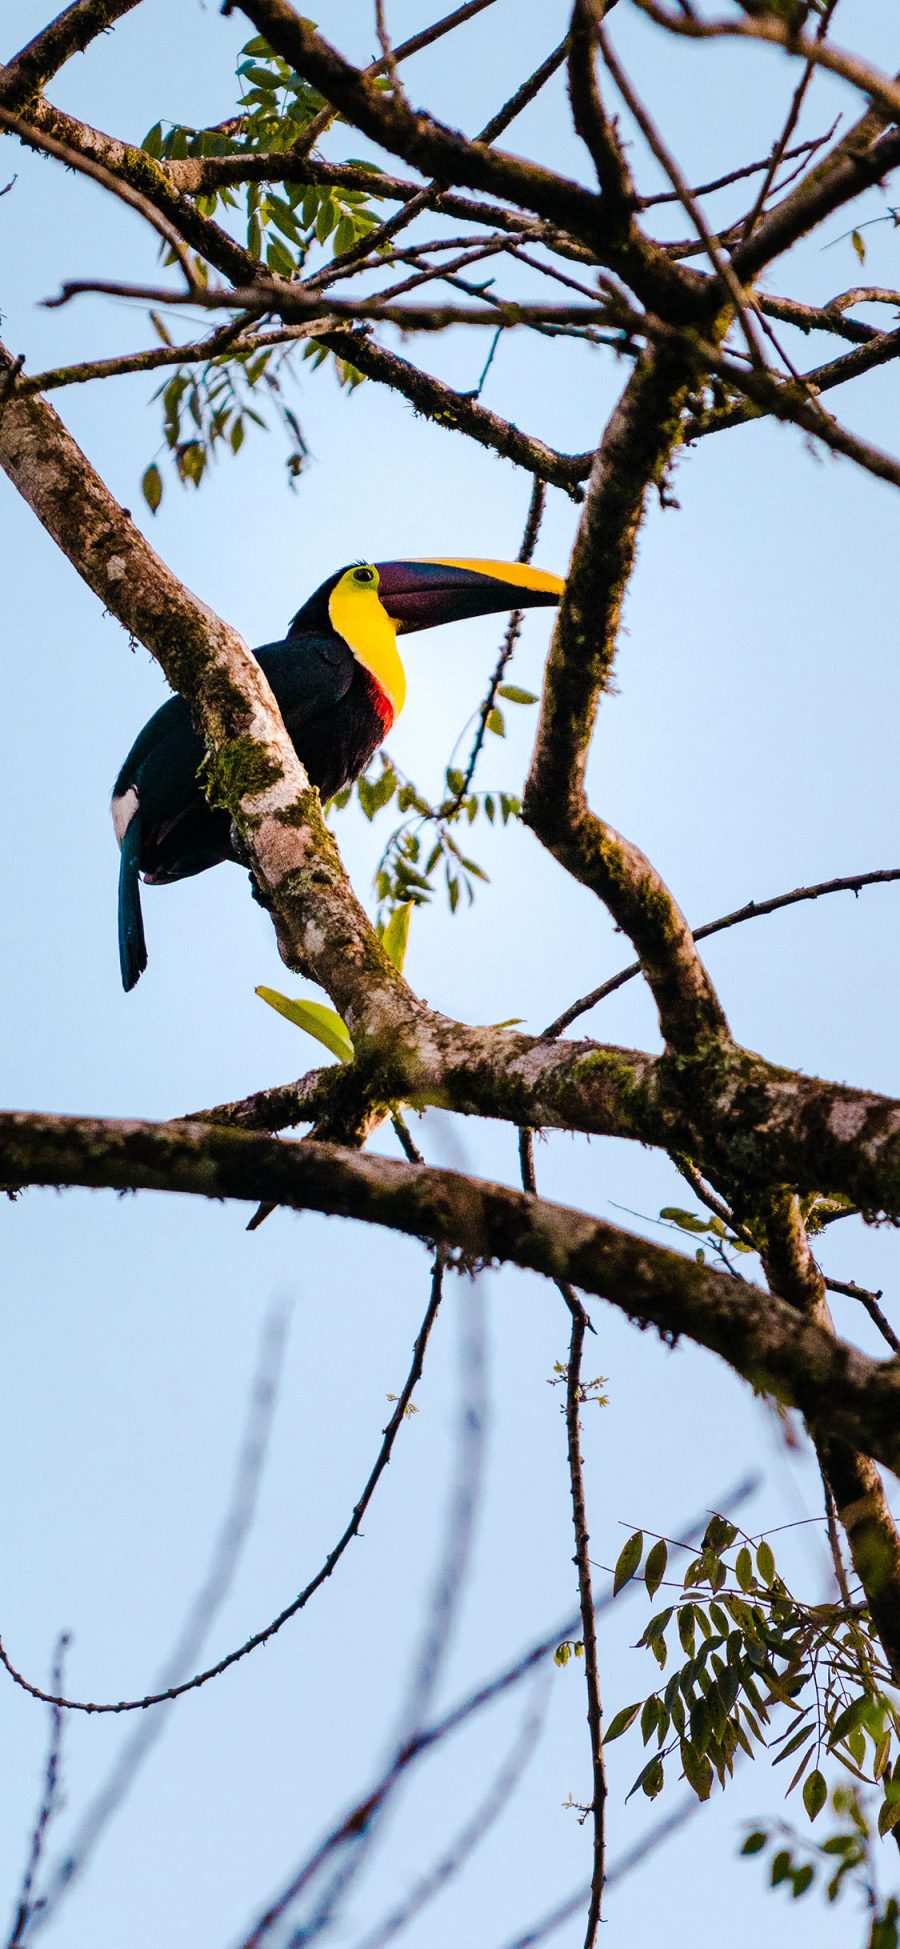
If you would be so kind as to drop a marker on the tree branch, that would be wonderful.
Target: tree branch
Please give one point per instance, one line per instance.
(761, 1337)
(450, 158)
(754, 910)
(854, 1480)
(637, 446)
(70, 33)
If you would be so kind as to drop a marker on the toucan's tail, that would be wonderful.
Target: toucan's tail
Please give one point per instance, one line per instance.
(132, 946)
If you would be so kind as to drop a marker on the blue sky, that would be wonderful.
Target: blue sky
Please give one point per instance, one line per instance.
(749, 747)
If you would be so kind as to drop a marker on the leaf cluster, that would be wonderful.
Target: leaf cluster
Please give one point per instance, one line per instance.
(845, 1858)
(422, 850)
(753, 1653)
(281, 226)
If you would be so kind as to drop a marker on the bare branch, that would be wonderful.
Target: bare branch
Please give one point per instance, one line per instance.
(108, 180)
(880, 88)
(588, 1622)
(757, 1335)
(299, 1603)
(449, 157)
(70, 33)
(636, 449)
(596, 129)
(754, 910)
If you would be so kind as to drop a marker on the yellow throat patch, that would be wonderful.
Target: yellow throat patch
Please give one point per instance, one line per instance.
(358, 615)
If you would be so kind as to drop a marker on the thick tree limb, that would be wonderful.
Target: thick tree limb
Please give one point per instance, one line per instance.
(636, 448)
(854, 1480)
(70, 33)
(451, 158)
(763, 1339)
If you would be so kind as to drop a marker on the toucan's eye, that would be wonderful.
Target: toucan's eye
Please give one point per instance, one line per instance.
(364, 575)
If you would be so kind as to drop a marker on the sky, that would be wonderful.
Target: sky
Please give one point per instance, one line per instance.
(749, 746)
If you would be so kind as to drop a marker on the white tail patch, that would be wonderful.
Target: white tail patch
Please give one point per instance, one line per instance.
(123, 810)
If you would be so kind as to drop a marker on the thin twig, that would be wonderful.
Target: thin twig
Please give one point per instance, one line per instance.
(647, 1845)
(780, 149)
(511, 637)
(754, 910)
(25, 1909)
(720, 263)
(299, 1602)
(588, 1621)
(350, 1840)
(736, 175)
(108, 179)
(430, 196)
(831, 1521)
(869, 1301)
(471, 1836)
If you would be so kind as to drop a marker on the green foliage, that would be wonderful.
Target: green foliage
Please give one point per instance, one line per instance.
(720, 1239)
(395, 935)
(206, 411)
(843, 1859)
(422, 849)
(747, 1656)
(589, 1392)
(315, 1019)
(627, 1562)
(570, 1648)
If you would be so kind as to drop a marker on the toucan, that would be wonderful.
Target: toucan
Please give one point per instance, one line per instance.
(340, 684)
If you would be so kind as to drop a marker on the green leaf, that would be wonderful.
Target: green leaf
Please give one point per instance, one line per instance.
(687, 1220)
(159, 328)
(743, 1569)
(815, 1793)
(323, 1023)
(344, 236)
(621, 1721)
(628, 1560)
(858, 245)
(655, 1567)
(649, 1717)
(856, 1742)
(279, 259)
(152, 487)
(847, 1721)
(650, 1779)
(802, 1878)
(686, 1627)
(765, 1562)
(697, 1770)
(396, 935)
(514, 695)
(326, 219)
(889, 1817)
(495, 723)
(755, 1842)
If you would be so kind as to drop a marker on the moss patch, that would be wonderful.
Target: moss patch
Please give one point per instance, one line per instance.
(241, 769)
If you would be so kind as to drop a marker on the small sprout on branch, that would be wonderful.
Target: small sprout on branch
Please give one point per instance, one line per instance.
(570, 1648)
(323, 1023)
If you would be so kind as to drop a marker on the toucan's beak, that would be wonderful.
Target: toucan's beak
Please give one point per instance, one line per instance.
(419, 595)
